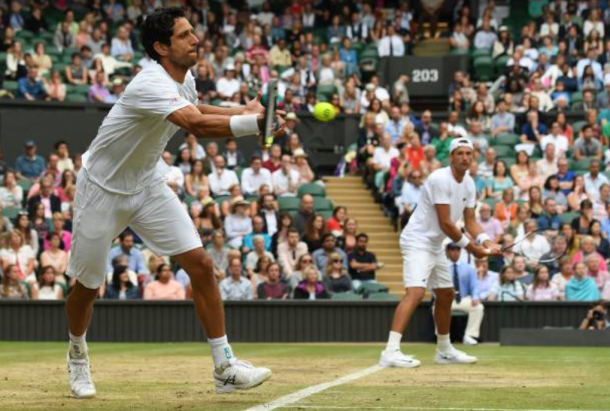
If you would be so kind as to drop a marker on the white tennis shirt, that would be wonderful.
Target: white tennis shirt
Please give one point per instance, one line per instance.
(125, 156)
(423, 231)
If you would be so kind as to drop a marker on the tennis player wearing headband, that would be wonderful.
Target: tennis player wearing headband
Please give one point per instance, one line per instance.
(448, 195)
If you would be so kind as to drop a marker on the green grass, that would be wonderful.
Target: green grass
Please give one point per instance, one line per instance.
(178, 377)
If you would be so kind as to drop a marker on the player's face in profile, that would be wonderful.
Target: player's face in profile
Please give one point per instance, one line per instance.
(461, 158)
(183, 48)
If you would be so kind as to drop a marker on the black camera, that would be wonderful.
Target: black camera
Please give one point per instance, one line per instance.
(598, 316)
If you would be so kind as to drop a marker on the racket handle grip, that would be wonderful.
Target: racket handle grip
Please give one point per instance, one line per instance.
(269, 141)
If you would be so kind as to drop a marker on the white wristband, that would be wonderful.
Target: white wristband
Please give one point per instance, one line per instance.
(244, 125)
(464, 241)
(481, 238)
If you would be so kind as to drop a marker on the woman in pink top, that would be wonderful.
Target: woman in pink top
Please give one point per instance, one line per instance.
(587, 247)
(542, 289)
(64, 235)
(164, 287)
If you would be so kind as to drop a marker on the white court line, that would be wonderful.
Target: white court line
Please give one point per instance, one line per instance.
(342, 407)
(286, 401)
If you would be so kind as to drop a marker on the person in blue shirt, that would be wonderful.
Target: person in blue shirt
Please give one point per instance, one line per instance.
(581, 287)
(466, 284)
(30, 165)
(549, 220)
(135, 258)
(349, 56)
(565, 176)
(29, 88)
(395, 125)
(533, 131)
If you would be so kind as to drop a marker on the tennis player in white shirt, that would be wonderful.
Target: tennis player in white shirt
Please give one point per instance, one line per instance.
(448, 195)
(121, 185)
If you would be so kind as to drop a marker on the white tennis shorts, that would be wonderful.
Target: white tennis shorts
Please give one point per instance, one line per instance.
(427, 269)
(155, 214)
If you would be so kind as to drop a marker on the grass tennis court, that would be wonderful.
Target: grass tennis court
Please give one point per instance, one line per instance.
(178, 377)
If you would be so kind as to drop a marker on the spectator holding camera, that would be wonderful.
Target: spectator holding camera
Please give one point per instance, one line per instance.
(597, 318)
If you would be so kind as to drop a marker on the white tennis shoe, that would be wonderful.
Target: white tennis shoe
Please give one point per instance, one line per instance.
(240, 375)
(468, 340)
(454, 356)
(79, 378)
(396, 359)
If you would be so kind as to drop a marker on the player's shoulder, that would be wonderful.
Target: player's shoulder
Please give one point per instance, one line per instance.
(440, 176)
(152, 78)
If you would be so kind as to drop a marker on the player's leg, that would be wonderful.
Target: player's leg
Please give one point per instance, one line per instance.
(417, 265)
(442, 283)
(97, 220)
(159, 215)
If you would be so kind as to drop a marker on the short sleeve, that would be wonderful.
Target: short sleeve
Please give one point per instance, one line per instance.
(154, 95)
(440, 191)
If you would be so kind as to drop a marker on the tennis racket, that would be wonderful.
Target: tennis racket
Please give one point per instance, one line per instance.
(270, 113)
(540, 246)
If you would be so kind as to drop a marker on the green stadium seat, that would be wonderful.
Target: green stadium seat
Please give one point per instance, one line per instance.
(577, 126)
(78, 88)
(490, 201)
(504, 151)
(483, 68)
(475, 53)
(607, 174)
(383, 297)
(11, 212)
(508, 160)
(346, 297)
(369, 64)
(576, 97)
(289, 203)
(369, 53)
(580, 165)
(188, 200)
(25, 184)
(506, 139)
(313, 189)
(326, 214)
(568, 217)
(367, 288)
(221, 199)
(76, 98)
(322, 204)
(459, 52)
(10, 86)
(327, 90)
(500, 64)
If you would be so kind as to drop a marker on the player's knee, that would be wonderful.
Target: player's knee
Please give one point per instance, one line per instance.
(207, 266)
(447, 294)
(416, 293)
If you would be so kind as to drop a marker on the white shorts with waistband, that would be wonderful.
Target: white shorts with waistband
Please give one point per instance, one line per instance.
(427, 269)
(155, 214)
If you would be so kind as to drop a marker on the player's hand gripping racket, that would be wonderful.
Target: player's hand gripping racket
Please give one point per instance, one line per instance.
(540, 246)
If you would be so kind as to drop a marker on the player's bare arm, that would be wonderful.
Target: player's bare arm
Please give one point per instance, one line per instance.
(192, 120)
(476, 231)
(443, 212)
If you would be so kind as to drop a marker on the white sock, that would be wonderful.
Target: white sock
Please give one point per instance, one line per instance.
(443, 342)
(394, 341)
(221, 351)
(78, 346)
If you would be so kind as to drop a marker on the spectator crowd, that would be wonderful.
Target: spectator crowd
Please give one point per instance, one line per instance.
(540, 131)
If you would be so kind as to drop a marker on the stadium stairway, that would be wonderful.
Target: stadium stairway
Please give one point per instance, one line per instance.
(349, 191)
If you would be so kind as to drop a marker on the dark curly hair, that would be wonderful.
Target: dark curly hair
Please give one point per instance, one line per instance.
(159, 26)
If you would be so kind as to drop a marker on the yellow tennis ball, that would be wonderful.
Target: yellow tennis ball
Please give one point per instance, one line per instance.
(324, 111)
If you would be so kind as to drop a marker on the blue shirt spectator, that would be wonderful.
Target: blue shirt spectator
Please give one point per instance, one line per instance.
(29, 88)
(468, 281)
(30, 165)
(528, 131)
(320, 256)
(135, 258)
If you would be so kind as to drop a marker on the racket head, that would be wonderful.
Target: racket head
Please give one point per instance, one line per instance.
(540, 246)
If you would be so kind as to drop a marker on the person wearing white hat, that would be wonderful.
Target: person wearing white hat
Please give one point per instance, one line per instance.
(228, 84)
(448, 195)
